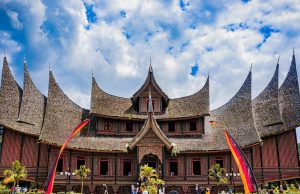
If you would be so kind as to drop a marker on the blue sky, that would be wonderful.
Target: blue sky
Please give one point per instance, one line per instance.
(187, 40)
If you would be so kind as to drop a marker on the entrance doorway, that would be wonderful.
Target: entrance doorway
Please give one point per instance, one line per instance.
(152, 161)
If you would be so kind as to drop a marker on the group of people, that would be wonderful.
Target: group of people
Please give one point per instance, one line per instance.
(202, 190)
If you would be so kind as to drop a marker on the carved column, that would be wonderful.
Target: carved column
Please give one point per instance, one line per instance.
(115, 189)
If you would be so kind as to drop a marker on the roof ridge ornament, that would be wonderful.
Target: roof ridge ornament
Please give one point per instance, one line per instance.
(24, 59)
(294, 58)
(150, 105)
(150, 66)
(278, 60)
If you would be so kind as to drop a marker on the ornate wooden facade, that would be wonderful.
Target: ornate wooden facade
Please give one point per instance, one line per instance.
(125, 133)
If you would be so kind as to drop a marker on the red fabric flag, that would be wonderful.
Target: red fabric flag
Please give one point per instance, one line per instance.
(50, 179)
(245, 169)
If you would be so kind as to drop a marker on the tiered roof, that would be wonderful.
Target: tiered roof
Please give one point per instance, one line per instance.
(273, 111)
(105, 104)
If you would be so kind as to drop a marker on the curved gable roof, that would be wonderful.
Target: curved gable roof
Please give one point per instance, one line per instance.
(150, 124)
(32, 106)
(62, 114)
(289, 98)
(237, 117)
(103, 103)
(150, 80)
(265, 106)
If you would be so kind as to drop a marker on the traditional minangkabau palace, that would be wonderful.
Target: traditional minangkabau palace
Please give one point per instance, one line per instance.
(176, 137)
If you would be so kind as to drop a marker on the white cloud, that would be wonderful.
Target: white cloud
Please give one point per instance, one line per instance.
(14, 19)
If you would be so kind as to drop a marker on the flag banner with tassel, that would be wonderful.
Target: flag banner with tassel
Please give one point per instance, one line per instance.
(247, 175)
(50, 179)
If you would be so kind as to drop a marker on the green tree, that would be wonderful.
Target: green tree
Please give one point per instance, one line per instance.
(151, 180)
(17, 172)
(82, 173)
(216, 173)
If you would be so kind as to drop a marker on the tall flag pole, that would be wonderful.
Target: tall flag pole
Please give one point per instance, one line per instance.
(50, 179)
(246, 172)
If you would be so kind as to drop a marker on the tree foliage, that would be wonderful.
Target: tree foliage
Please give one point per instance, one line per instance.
(151, 180)
(82, 173)
(217, 174)
(17, 172)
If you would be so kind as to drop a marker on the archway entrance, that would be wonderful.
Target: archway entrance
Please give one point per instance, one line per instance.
(152, 161)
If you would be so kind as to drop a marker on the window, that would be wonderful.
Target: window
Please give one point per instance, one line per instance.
(60, 165)
(196, 167)
(129, 126)
(193, 126)
(173, 168)
(104, 167)
(220, 161)
(107, 126)
(126, 168)
(147, 101)
(80, 162)
(171, 127)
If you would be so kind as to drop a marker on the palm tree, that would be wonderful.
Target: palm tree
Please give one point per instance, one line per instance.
(17, 172)
(217, 174)
(150, 179)
(82, 173)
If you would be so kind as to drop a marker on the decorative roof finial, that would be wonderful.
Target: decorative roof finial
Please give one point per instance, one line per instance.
(278, 59)
(93, 73)
(150, 105)
(150, 66)
(294, 51)
(251, 67)
(50, 68)
(24, 60)
(4, 54)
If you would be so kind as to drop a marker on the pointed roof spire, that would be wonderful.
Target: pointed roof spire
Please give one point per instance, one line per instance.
(278, 60)
(251, 67)
(24, 60)
(294, 59)
(5, 61)
(50, 68)
(150, 105)
(150, 66)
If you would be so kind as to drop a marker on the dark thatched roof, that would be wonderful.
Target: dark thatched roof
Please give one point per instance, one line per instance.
(150, 80)
(235, 115)
(289, 98)
(105, 104)
(32, 105)
(265, 106)
(273, 111)
(150, 126)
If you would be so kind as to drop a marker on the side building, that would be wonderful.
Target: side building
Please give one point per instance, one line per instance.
(172, 135)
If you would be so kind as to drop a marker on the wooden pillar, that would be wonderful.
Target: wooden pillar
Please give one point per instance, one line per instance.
(115, 168)
(295, 134)
(92, 171)
(184, 157)
(278, 158)
(70, 163)
(2, 143)
(37, 163)
(163, 162)
(21, 147)
(251, 156)
(261, 164)
(207, 169)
